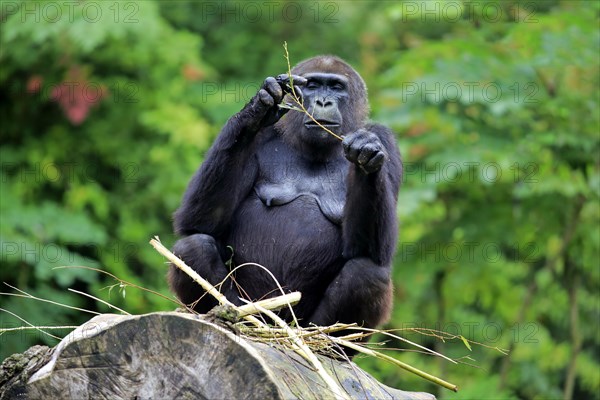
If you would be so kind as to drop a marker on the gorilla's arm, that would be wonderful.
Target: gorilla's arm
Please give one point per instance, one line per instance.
(215, 192)
(362, 290)
(370, 224)
(229, 170)
(219, 185)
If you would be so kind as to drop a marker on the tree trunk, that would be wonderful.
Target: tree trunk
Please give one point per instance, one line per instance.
(176, 355)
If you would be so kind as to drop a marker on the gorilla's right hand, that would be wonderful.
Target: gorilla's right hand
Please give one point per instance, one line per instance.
(263, 110)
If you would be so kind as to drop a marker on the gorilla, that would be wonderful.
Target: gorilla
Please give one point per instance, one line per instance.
(276, 189)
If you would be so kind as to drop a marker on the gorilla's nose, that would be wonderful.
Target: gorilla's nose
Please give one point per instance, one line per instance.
(324, 103)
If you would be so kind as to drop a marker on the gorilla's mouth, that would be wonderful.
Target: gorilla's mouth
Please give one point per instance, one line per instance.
(321, 122)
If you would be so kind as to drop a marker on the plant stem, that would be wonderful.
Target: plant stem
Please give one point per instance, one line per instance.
(199, 280)
(274, 303)
(301, 348)
(399, 363)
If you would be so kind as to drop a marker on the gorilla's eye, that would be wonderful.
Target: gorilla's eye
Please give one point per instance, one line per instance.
(312, 85)
(338, 86)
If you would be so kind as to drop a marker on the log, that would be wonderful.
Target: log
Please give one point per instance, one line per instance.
(176, 355)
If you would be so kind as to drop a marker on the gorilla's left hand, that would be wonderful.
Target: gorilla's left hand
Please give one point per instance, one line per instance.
(364, 149)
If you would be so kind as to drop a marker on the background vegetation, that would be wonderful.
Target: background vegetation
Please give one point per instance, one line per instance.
(108, 107)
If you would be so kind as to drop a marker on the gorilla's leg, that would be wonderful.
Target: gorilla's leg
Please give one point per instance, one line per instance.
(201, 253)
(361, 292)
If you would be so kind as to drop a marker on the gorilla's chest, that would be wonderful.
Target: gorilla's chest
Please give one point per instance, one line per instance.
(285, 177)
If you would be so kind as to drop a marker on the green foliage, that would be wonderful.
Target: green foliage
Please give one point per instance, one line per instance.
(496, 108)
(500, 201)
(90, 181)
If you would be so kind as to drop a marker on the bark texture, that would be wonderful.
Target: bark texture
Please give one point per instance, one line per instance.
(174, 355)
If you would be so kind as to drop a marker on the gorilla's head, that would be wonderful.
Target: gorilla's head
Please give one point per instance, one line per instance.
(334, 94)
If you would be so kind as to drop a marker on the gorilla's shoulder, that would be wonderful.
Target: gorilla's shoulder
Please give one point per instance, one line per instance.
(378, 128)
(384, 133)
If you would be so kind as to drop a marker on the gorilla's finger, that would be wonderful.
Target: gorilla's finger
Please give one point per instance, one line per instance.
(272, 86)
(351, 150)
(366, 153)
(265, 98)
(347, 143)
(284, 81)
(361, 142)
(375, 163)
(299, 80)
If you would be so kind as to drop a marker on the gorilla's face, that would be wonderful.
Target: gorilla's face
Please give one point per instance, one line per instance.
(325, 97)
(335, 95)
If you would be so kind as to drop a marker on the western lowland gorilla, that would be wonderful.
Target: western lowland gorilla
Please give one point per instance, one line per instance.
(282, 192)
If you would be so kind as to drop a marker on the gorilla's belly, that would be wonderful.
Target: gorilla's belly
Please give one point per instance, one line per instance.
(295, 241)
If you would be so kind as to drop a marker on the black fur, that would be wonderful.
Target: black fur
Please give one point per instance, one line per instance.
(319, 214)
